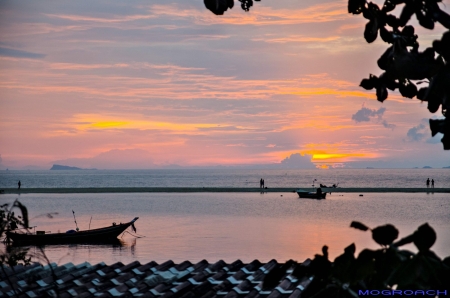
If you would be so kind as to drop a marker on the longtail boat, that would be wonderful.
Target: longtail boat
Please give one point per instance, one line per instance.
(311, 195)
(87, 236)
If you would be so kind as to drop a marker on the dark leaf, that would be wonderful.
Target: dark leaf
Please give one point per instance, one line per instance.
(350, 249)
(424, 237)
(386, 59)
(407, 12)
(382, 93)
(446, 261)
(218, 7)
(386, 35)
(437, 125)
(391, 84)
(442, 17)
(437, 46)
(428, 54)
(408, 90)
(421, 93)
(392, 21)
(385, 235)
(342, 265)
(425, 20)
(367, 14)
(446, 141)
(367, 84)
(413, 65)
(408, 31)
(371, 31)
(423, 270)
(359, 226)
(445, 46)
(365, 263)
(388, 6)
(356, 6)
(433, 104)
(373, 7)
(437, 90)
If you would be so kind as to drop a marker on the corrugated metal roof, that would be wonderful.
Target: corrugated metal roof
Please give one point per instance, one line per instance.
(168, 279)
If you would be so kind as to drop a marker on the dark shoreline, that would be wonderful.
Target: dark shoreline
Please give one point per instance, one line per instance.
(218, 189)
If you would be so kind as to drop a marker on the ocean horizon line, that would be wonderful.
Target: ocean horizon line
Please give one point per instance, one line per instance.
(218, 167)
(222, 189)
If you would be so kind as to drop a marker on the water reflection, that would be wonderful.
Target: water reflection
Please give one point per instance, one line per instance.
(110, 251)
(230, 226)
(102, 243)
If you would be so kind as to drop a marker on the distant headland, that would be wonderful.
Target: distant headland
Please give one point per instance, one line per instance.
(61, 167)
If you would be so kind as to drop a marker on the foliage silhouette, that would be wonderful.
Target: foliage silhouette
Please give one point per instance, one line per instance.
(218, 7)
(14, 255)
(388, 268)
(403, 63)
(9, 220)
(404, 66)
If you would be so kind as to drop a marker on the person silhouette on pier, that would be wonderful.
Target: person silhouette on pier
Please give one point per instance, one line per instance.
(260, 183)
(19, 184)
(432, 183)
(428, 182)
(263, 183)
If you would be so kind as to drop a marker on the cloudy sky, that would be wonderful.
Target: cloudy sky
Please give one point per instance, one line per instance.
(144, 84)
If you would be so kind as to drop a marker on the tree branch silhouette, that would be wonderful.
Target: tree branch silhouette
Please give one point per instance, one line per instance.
(405, 68)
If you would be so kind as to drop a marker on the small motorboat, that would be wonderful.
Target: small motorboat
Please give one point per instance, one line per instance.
(311, 195)
(99, 235)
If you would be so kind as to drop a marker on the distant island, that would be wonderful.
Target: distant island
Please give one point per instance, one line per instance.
(427, 167)
(61, 167)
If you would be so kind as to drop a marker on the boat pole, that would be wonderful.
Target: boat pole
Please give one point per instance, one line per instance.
(75, 220)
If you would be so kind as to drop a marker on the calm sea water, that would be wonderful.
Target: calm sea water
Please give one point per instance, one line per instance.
(225, 178)
(230, 226)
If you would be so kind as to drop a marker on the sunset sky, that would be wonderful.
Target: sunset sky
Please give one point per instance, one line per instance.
(147, 84)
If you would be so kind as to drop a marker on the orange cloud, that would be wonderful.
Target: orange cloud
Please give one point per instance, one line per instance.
(328, 91)
(94, 122)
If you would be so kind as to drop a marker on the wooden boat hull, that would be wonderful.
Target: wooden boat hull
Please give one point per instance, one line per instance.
(100, 235)
(311, 195)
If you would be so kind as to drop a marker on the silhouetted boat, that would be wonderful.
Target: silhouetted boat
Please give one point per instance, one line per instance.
(100, 235)
(311, 195)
